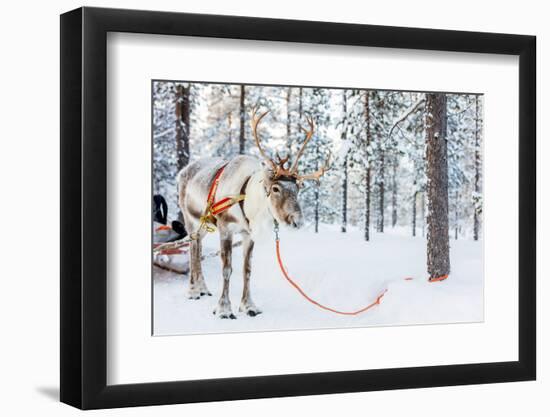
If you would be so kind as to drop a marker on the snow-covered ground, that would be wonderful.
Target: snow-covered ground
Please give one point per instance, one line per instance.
(338, 269)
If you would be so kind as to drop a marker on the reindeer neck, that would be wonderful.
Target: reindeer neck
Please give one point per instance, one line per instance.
(256, 204)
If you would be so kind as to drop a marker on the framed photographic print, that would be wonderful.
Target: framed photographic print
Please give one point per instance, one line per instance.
(257, 207)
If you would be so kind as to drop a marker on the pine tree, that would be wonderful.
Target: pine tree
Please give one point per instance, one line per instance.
(477, 198)
(458, 136)
(379, 134)
(414, 202)
(409, 145)
(165, 156)
(367, 164)
(288, 120)
(343, 226)
(394, 192)
(316, 197)
(386, 108)
(183, 124)
(242, 118)
(437, 172)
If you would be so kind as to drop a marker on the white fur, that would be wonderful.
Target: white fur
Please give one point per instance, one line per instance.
(254, 219)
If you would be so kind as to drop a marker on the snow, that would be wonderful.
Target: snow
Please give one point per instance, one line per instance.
(338, 269)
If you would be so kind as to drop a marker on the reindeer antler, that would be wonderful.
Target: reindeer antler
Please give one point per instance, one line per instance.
(278, 166)
(255, 121)
(282, 161)
(309, 134)
(317, 174)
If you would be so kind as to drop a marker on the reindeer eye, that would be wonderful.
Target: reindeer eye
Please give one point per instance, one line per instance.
(276, 189)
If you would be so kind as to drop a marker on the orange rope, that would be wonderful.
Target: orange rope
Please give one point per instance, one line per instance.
(311, 300)
(318, 304)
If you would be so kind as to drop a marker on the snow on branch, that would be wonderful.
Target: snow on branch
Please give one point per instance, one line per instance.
(164, 133)
(406, 114)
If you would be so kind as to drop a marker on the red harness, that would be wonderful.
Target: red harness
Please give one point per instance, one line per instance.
(215, 208)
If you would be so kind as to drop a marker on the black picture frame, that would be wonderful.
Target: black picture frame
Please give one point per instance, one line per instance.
(84, 207)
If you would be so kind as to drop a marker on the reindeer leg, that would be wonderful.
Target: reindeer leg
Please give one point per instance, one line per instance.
(200, 282)
(247, 305)
(195, 270)
(223, 309)
(196, 280)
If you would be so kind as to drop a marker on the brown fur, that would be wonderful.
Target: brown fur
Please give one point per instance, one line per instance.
(193, 211)
(248, 246)
(226, 217)
(224, 306)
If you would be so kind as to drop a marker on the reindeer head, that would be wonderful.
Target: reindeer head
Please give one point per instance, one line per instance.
(282, 183)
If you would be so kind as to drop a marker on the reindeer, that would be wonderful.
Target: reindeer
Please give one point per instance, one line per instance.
(270, 191)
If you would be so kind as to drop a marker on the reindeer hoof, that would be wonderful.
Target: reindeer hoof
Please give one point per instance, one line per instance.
(194, 295)
(223, 311)
(250, 309)
(208, 293)
(226, 316)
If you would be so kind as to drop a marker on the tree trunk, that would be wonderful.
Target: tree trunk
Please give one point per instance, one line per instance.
(437, 174)
(368, 167)
(345, 166)
(243, 120)
(300, 113)
(316, 189)
(456, 215)
(288, 121)
(381, 189)
(183, 126)
(316, 208)
(300, 105)
(345, 197)
(394, 193)
(415, 195)
(230, 129)
(477, 168)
